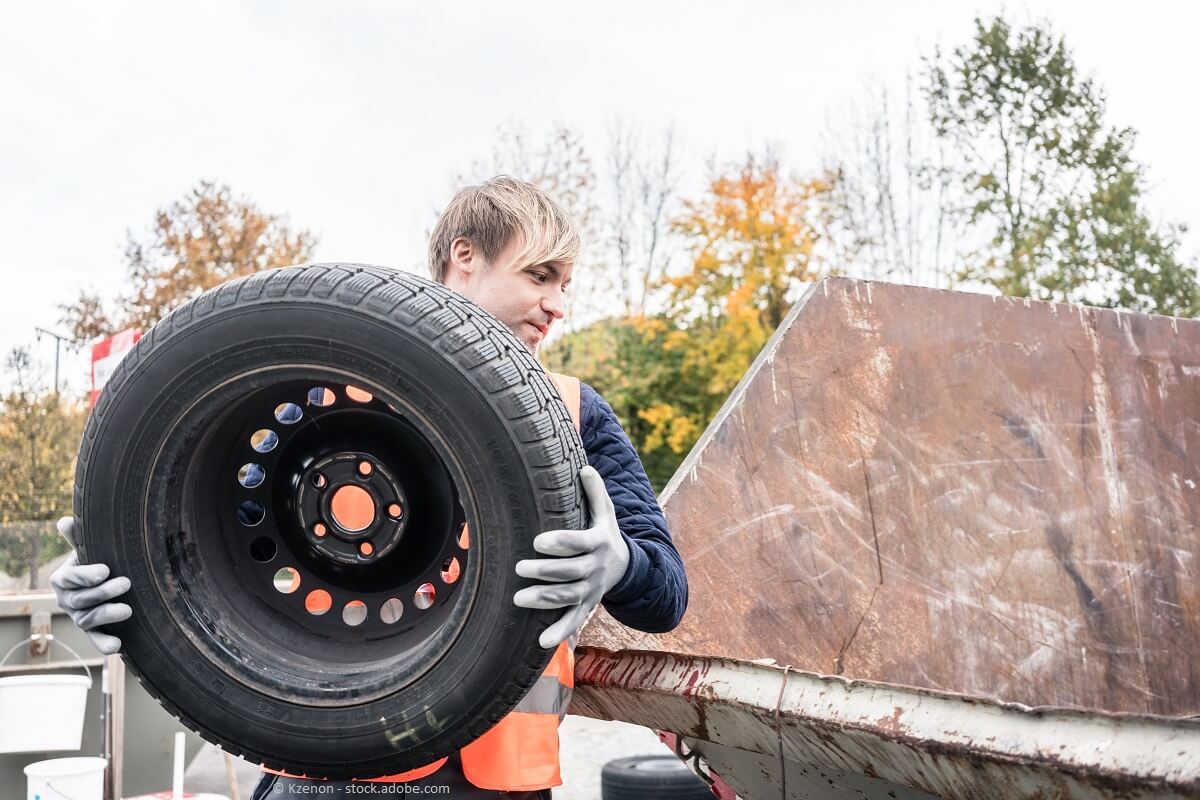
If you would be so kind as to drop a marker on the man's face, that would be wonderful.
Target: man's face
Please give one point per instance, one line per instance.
(527, 299)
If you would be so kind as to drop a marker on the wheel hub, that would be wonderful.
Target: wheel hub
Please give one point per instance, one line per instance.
(351, 508)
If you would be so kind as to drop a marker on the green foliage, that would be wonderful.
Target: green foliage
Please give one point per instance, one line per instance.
(625, 361)
(1052, 190)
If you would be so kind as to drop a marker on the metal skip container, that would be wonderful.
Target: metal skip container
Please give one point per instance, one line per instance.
(938, 545)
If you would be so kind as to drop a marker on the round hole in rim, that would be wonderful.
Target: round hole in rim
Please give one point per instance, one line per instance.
(354, 612)
(250, 513)
(263, 549)
(365, 468)
(424, 596)
(286, 580)
(264, 440)
(320, 530)
(251, 475)
(288, 413)
(464, 536)
(358, 395)
(394, 510)
(391, 611)
(352, 508)
(317, 602)
(450, 570)
(318, 481)
(320, 396)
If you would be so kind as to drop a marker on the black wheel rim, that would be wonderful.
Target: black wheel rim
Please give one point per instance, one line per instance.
(338, 615)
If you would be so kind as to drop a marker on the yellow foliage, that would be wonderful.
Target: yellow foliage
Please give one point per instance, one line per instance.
(668, 427)
(752, 240)
(751, 236)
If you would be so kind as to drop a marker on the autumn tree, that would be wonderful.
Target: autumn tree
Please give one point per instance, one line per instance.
(1051, 189)
(198, 242)
(750, 236)
(39, 436)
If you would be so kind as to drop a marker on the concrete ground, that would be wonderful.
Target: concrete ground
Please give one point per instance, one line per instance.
(586, 746)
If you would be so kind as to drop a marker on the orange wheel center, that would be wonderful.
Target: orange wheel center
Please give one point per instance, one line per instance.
(352, 507)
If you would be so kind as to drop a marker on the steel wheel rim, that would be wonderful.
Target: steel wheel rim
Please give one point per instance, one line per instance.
(221, 568)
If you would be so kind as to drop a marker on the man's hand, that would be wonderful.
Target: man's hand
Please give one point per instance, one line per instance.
(84, 592)
(588, 564)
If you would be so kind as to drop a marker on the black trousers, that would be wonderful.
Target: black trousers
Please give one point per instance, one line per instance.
(447, 782)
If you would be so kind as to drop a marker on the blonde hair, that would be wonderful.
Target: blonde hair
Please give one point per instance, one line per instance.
(497, 212)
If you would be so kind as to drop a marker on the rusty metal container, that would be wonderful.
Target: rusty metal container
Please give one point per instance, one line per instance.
(939, 544)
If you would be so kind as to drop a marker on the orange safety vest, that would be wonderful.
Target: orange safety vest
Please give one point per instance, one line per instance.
(520, 753)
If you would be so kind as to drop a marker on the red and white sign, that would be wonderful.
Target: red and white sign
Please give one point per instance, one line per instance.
(107, 353)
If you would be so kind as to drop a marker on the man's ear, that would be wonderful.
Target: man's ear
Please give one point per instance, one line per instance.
(462, 261)
(463, 255)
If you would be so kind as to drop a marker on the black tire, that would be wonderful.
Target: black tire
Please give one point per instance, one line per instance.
(662, 777)
(462, 420)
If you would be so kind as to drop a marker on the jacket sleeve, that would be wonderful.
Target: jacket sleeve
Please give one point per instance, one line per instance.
(654, 592)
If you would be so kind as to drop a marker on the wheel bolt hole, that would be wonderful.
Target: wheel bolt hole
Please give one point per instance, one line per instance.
(318, 602)
(354, 613)
(320, 396)
(319, 481)
(366, 548)
(251, 476)
(286, 580)
(391, 611)
(424, 596)
(288, 413)
(394, 511)
(250, 513)
(264, 440)
(263, 549)
(319, 529)
(365, 468)
(358, 395)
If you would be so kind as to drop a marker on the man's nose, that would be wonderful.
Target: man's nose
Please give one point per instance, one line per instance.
(552, 303)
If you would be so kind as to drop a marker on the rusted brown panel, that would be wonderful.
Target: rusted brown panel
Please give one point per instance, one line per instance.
(957, 492)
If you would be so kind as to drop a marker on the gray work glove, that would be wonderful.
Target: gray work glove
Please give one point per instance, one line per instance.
(84, 591)
(586, 565)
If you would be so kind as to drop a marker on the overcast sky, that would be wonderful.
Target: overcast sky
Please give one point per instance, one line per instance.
(352, 117)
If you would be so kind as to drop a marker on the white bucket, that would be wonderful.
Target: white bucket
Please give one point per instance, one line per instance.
(43, 711)
(39, 713)
(79, 778)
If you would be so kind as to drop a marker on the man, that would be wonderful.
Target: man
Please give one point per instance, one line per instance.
(511, 249)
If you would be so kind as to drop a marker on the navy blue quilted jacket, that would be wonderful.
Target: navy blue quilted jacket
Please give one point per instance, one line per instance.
(654, 592)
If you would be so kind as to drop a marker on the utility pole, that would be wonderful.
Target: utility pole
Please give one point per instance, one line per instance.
(58, 341)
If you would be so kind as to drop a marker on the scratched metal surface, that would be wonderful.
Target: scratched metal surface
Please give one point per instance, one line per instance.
(956, 492)
(775, 733)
